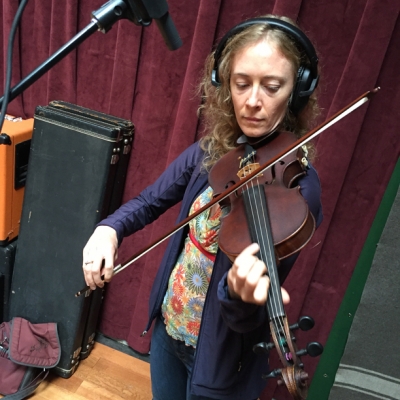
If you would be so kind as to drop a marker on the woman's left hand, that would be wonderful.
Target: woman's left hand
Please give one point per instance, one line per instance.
(247, 279)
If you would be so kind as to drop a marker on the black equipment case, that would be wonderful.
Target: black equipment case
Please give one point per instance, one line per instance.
(113, 198)
(76, 174)
(7, 257)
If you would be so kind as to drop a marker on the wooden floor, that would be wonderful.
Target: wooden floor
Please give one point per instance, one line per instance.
(105, 374)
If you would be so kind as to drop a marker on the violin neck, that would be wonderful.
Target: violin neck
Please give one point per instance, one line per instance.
(260, 232)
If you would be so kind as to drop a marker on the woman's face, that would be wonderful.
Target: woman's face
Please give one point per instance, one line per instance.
(261, 82)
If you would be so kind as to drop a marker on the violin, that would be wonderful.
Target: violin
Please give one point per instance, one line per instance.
(269, 210)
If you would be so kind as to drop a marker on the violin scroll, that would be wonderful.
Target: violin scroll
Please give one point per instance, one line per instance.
(294, 378)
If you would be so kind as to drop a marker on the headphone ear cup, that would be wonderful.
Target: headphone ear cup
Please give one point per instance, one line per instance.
(303, 84)
(214, 76)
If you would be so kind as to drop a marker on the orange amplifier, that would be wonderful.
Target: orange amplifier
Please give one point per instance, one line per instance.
(15, 141)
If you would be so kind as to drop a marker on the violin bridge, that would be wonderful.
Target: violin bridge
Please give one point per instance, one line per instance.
(248, 169)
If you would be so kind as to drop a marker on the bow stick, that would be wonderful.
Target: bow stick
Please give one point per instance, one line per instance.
(300, 142)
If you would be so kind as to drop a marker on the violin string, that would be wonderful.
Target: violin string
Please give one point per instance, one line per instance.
(265, 242)
(268, 248)
(265, 245)
(256, 214)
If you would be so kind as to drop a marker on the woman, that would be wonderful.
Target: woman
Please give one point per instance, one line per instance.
(208, 312)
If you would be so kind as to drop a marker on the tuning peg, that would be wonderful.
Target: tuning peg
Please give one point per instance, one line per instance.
(263, 347)
(313, 349)
(276, 373)
(305, 323)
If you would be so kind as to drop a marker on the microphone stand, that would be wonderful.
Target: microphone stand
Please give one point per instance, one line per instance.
(102, 20)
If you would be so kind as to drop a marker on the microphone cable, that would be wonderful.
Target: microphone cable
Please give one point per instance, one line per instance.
(7, 83)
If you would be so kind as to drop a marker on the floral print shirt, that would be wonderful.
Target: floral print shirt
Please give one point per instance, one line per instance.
(187, 288)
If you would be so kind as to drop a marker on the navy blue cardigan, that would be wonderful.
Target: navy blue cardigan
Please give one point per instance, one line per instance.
(225, 365)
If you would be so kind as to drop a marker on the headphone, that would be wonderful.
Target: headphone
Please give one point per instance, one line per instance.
(307, 76)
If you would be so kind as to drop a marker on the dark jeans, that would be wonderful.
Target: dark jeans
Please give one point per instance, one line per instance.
(171, 364)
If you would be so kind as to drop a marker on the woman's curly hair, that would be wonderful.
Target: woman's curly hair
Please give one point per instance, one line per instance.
(220, 124)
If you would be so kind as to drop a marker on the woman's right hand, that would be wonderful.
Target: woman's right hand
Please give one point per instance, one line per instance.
(101, 246)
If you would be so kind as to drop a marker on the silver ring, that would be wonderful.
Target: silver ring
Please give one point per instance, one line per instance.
(88, 262)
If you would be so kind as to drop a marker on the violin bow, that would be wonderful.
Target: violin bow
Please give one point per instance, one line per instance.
(358, 102)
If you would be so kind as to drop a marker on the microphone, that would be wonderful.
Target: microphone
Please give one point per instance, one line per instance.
(141, 12)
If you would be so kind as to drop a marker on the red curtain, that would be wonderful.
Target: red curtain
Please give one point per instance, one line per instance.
(130, 73)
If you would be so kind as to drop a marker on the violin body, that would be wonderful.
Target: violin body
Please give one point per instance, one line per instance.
(269, 210)
(292, 224)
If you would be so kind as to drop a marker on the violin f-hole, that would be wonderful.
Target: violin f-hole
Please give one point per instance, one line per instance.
(272, 171)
